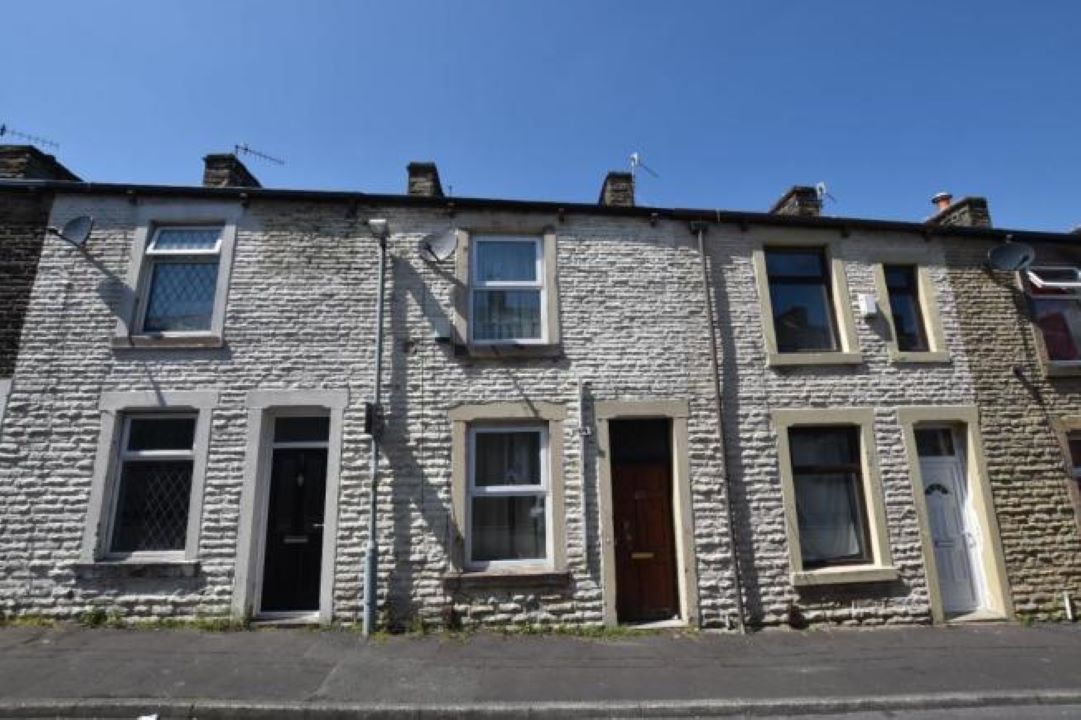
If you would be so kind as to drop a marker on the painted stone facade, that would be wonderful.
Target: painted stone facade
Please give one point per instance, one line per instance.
(632, 314)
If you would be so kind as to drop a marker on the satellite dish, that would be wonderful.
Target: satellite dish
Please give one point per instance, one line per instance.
(437, 247)
(1011, 256)
(75, 231)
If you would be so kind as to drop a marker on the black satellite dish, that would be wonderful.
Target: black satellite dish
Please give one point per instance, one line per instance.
(1011, 256)
(75, 231)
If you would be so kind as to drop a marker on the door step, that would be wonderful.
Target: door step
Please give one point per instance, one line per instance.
(286, 620)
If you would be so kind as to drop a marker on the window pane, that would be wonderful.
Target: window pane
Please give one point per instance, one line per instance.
(934, 442)
(507, 458)
(802, 317)
(187, 238)
(1075, 450)
(301, 429)
(508, 528)
(903, 289)
(181, 296)
(829, 508)
(161, 433)
(506, 315)
(795, 263)
(152, 506)
(824, 447)
(1060, 324)
(507, 261)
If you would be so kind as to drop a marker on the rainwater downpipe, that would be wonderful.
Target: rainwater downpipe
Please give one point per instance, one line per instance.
(699, 229)
(371, 552)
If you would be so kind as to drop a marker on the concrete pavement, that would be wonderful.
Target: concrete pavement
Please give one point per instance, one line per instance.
(76, 672)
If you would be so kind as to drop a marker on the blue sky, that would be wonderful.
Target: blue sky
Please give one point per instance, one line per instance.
(730, 102)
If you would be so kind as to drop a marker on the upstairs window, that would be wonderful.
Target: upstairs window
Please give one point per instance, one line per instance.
(831, 508)
(801, 297)
(153, 484)
(1055, 297)
(180, 280)
(508, 506)
(507, 293)
(903, 289)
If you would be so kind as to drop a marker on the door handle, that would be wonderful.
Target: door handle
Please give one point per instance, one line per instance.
(317, 526)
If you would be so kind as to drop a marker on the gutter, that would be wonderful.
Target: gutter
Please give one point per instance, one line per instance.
(450, 206)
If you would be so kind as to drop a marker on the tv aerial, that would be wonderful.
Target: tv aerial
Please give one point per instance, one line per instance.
(1011, 256)
(437, 247)
(636, 162)
(243, 149)
(75, 231)
(823, 192)
(32, 139)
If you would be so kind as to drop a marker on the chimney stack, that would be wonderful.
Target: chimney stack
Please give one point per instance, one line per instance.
(26, 162)
(424, 180)
(801, 200)
(226, 170)
(966, 212)
(618, 190)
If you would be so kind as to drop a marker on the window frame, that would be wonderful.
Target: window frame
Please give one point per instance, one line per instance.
(462, 291)
(848, 351)
(477, 285)
(1071, 291)
(124, 456)
(929, 311)
(880, 567)
(507, 414)
(1064, 427)
(154, 257)
(132, 304)
(115, 407)
(544, 489)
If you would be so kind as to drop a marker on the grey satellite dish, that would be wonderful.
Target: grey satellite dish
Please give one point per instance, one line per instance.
(75, 231)
(437, 247)
(1011, 256)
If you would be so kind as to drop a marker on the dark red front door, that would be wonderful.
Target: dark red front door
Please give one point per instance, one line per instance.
(645, 547)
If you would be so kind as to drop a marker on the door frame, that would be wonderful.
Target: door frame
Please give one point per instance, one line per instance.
(265, 406)
(677, 412)
(993, 565)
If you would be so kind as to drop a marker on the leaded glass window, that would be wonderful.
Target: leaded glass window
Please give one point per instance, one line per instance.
(153, 484)
(181, 279)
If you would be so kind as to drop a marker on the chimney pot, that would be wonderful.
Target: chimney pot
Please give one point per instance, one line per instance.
(226, 170)
(618, 190)
(800, 200)
(424, 180)
(942, 200)
(26, 162)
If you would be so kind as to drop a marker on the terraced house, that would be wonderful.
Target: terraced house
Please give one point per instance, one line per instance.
(580, 413)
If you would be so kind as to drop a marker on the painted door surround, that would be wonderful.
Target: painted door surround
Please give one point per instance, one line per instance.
(677, 411)
(264, 406)
(997, 601)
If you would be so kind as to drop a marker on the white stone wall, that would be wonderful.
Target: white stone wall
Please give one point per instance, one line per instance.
(300, 315)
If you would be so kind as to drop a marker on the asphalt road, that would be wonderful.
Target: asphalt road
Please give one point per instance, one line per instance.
(295, 669)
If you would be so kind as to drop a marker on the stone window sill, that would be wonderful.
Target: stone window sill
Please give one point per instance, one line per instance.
(791, 359)
(934, 356)
(1062, 368)
(845, 575)
(524, 350)
(157, 342)
(507, 578)
(118, 569)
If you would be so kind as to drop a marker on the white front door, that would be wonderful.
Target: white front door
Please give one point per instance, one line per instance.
(953, 526)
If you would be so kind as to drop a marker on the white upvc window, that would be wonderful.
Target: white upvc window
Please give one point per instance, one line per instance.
(152, 488)
(180, 278)
(508, 505)
(1055, 297)
(507, 296)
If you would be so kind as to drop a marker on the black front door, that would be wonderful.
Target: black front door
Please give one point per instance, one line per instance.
(294, 537)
